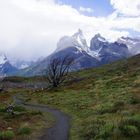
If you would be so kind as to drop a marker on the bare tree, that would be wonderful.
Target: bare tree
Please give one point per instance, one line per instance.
(58, 70)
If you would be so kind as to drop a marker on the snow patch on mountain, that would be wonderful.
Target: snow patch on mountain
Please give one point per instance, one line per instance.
(95, 54)
(80, 41)
(77, 40)
(3, 59)
(133, 44)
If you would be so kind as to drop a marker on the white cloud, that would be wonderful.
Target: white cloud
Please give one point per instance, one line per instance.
(31, 28)
(127, 7)
(83, 9)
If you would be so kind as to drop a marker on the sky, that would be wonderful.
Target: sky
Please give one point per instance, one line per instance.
(30, 29)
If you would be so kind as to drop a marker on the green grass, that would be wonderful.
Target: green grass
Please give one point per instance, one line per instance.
(24, 130)
(100, 101)
(7, 135)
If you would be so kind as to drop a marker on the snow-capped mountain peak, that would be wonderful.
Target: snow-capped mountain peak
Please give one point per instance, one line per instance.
(132, 44)
(80, 40)
(78, 35)
(77, 40)
(99, 38)
(3, 59)
(97, 42)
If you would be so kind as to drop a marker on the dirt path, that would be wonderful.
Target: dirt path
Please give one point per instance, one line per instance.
(60, 130)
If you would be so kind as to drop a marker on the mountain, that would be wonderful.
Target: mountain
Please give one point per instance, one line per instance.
(97, 43)
(22, 64)
(98, 53)
(77, 40)
(107, 52)
(75, 46)
(132, 43)
(6, 68)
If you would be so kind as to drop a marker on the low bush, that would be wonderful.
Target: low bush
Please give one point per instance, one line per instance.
(118, 104)
(130, 126)
(134, 100)
(7, 135)
(129, 130)
(24, 130)
(106, 131)
(90, 129)
(131, 120)
(2, 109)
(19, 109)
(107, 108)
(36, 113)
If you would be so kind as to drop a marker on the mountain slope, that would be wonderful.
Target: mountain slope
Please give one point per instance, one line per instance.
(100, 52)
(5, 67)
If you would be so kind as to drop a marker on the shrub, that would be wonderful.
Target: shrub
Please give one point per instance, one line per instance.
(132, 120)
(24, 130)
(134, 100)
(7, 135)
(19, 108)
(118, 104)
(90, 128)
(130, 126)
(129, 130)
(126, 113)
(108, 108)
(2, 109)
(135, 120)
(106, 131)
(36, 113)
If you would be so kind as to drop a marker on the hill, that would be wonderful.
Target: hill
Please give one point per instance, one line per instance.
(103, 102)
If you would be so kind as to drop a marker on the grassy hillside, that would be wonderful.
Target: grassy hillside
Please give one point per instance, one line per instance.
(104, 103)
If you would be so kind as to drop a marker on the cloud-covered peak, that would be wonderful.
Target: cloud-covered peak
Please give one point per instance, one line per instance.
(77, 40)
(78, 34)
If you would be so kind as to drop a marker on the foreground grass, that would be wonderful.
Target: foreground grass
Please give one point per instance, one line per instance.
(104, 103)
(24, 124)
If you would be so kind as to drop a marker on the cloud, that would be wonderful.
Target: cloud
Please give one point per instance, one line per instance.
(127, 7)
(88, 10)
(31, 28)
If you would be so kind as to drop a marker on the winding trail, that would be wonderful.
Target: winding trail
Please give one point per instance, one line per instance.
(60, 130)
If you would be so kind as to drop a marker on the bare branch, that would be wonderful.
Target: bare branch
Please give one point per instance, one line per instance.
(58, 70)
